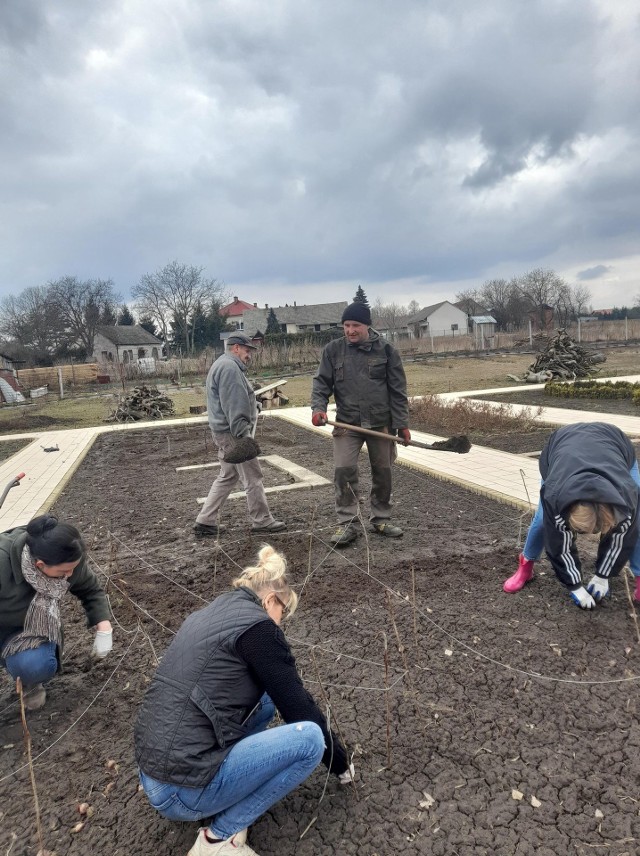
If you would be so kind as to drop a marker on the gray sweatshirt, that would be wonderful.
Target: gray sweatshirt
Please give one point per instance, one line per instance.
(231, 401)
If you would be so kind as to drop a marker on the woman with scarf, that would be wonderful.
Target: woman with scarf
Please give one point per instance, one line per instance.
(202, 742)
(39, 563)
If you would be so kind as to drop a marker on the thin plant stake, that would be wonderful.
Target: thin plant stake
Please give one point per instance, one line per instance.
(27, 743)
(634, 614)
(386, 696)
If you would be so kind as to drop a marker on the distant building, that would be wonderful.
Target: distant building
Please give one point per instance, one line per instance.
(234, 312)
(125, 344)
(295, 319)
(392, 328)
(440, 319)
(541, 318)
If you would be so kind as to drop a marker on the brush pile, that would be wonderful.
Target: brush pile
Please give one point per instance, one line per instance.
(143, 402)
(562, 358)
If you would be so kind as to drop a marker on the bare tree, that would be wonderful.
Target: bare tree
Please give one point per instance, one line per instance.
(413, 307)
(172, 295)
(497, 296)
(389, 316)
(32, 322)
(83, 305)
(541, 288)
(469, 298)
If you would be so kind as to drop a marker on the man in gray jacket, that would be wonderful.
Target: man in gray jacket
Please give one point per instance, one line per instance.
(366, 377)
(233, 411)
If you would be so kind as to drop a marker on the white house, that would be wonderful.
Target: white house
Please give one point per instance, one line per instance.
(295, 319)
(125, 344)
(441, 319)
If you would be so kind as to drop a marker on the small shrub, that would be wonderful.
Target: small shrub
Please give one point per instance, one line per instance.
(462, 416)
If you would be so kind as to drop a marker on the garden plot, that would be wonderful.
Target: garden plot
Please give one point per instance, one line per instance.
(482, 723)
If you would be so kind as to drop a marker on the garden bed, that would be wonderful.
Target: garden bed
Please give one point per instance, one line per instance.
(490, 695)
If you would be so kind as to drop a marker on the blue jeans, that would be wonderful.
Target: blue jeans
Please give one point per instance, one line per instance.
(34, 666)
(260, 770)
(534, 544)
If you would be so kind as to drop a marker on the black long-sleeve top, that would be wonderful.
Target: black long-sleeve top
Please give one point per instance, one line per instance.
(268, 656)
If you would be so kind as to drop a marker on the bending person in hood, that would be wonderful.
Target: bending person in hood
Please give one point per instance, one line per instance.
(590, 484)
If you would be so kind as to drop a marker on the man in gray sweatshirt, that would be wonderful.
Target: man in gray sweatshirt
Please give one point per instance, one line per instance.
(233, 411)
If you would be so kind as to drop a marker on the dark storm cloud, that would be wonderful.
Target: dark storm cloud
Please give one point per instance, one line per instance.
(314, 142)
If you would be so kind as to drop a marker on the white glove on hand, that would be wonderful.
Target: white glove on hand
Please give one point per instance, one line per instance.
(582, 598)
(348, 776)
(103, 643)
(598, 587)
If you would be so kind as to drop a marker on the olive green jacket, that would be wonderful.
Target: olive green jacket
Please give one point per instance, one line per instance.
(16, 594)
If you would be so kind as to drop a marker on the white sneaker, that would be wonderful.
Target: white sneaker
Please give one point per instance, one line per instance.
(234, 846)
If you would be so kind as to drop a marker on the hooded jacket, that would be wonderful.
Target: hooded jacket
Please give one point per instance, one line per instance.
(588, 462)
(367, 381)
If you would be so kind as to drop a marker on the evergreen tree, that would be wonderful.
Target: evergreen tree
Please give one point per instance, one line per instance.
(361, 297)
(273, 327)
(125, 317)
(149, 325)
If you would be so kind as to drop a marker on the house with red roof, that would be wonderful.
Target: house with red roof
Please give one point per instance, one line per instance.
(234, 311)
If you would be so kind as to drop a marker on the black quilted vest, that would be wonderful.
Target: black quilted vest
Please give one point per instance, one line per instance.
(194, 710)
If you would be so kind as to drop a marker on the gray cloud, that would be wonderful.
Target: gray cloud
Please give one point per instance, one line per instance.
(594, 272)
(315, 142)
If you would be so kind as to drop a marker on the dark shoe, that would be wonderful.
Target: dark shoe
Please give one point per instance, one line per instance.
(343, 535)
(274, 526)
(388, 530)
(34, 697)
(203, 530)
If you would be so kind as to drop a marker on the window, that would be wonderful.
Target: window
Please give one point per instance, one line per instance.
(454, 327)
(316, 327)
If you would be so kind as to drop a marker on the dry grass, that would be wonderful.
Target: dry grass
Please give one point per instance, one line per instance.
(467, 417)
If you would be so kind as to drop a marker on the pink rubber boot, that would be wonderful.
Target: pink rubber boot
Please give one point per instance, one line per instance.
(636, 594)
(523, 575)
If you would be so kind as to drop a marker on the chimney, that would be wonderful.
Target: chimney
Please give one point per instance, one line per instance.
(256, 305)
(266, 306)
(235, 299)
(294, 303)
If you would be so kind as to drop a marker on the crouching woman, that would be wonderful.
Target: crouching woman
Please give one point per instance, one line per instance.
(201, 737)
(39, 563)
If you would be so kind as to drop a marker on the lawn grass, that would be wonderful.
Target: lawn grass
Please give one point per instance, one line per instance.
(424, 377)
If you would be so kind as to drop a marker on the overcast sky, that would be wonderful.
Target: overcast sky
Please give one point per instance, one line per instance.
(296, 148)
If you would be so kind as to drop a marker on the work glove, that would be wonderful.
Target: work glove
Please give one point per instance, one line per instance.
(319, 419)
(405, 436)
(348, 776)
(598, 587)
(102, 644)
(582, 598)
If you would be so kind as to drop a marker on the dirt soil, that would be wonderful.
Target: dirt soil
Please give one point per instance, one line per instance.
(503, 724)
(8, 448)
(538, 398)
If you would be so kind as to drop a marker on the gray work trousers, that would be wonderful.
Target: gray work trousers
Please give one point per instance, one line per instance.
(250, 474)
(382, 454)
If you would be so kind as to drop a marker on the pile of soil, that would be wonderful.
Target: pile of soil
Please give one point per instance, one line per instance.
(503, 724)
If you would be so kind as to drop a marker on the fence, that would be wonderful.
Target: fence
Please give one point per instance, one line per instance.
(76, 374)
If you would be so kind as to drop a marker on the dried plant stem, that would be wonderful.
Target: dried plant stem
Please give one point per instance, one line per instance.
(27, 743)
(634, 614)
(386, 697)
(333, 717)
(401, 647)
(415, 612)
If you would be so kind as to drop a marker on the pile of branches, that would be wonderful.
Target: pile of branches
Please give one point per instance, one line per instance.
(562, 358)
(143, 402)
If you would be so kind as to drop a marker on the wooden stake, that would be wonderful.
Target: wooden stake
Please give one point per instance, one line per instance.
(634, 614)
(27, 743)
(386, 696)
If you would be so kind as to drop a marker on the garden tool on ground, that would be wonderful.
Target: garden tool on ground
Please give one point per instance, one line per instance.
(13, 483)
(460, 443)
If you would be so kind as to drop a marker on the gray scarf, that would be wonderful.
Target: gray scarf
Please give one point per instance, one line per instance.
(42, 622)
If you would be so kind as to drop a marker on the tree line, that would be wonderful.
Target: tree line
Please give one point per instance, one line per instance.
(59, 320)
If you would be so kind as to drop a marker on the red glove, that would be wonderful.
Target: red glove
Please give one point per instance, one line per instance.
(319, 419)
(405, 435)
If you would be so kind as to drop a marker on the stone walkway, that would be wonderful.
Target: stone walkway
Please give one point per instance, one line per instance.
(504, 476)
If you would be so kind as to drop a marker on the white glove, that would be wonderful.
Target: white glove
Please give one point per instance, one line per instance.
(582, 598)
(103, 643)
(598, 587)
(348, 776)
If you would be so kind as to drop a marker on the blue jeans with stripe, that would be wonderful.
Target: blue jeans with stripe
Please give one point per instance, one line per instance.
(534, 544)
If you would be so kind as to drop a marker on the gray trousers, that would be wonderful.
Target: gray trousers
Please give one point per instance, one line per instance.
(250, 474)
(382, 454)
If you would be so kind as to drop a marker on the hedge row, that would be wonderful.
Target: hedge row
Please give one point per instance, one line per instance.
(593, 389)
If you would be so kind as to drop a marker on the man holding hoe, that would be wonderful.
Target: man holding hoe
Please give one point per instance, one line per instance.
(366, 378)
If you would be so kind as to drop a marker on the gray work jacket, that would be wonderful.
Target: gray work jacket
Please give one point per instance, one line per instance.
(231, 401)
